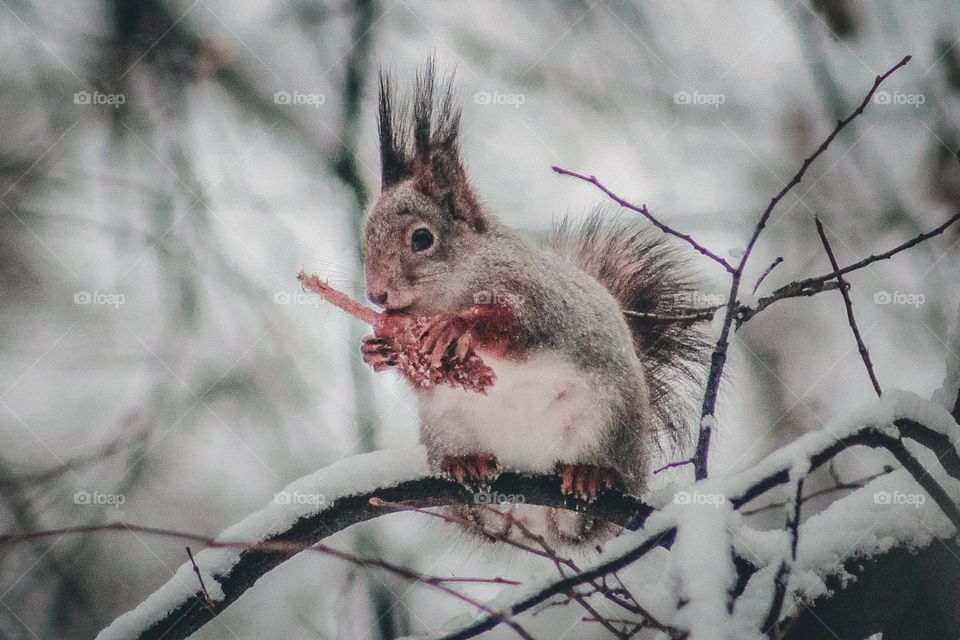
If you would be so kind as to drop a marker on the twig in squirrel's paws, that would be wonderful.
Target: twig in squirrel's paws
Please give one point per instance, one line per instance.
(407, 335)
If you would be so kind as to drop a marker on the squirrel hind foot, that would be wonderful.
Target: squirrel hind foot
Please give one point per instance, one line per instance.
(472, 470)
(586, 481)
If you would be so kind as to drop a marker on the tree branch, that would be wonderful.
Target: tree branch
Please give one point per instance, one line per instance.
(190, 613)
(176, 611)
(783, 573)
(719, 357)
(848, 303)
(746, 486)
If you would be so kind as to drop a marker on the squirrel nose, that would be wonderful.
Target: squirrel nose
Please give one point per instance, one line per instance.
(378, 298)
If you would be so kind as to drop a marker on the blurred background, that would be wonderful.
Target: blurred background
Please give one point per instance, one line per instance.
(167, 167)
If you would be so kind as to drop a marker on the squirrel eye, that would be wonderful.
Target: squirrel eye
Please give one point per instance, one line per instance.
(421, 240)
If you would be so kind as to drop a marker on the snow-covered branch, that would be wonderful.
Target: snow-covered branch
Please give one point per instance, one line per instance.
(821, 561)
(824, 559)
(317, 506)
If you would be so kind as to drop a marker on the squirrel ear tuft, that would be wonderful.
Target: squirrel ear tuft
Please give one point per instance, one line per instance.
(437, 168)
(396, 162)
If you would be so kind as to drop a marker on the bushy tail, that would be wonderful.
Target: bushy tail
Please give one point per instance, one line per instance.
(655, 289)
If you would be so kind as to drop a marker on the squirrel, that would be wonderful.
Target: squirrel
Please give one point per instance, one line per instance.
(588, 366)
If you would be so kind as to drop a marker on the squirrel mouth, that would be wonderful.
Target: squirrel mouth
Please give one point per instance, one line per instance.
(401, 305)
(398, 310)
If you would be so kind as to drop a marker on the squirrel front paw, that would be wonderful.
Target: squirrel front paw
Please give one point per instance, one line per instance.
(378, 353)
(447, 336)
(471, 469)
(586, 481)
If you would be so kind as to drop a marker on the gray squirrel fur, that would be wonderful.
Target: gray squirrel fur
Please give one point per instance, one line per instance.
(566, 301)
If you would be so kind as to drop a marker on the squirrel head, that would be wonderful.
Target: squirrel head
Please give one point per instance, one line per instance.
(427, 227)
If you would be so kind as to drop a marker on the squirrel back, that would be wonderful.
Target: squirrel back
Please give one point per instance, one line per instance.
(653, 285)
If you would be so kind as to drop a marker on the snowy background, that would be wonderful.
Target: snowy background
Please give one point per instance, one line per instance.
(166, 168)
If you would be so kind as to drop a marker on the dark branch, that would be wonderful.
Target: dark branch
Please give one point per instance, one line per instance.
(673, 465)
(745, 313)
(767, 272)
(836, 488)
(700, 314)
(848, 303)
(783, 573)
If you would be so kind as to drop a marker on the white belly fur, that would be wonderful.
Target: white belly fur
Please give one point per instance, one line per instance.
(537, 412)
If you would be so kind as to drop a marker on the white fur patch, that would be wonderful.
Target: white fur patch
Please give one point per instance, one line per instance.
(538, 412)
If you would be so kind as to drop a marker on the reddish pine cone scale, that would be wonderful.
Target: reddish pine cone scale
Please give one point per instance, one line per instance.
(419, 361)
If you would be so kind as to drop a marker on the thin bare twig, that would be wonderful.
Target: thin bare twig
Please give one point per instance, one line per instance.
(36, 477)
(599, 586)
(674, 465)
(767, 271)
(279, 546)
(286, 547)
(642, 210)
(783, 573)
(652, 540)
(700, 314)
(848, 303)
(544, 550)
(837, 487)
(746, 313)
(203, 588)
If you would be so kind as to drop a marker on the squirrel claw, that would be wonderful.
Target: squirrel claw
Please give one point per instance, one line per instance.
(378, 353)
(586, 481)
(446, 338)
(472, 470)
(462, 346)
